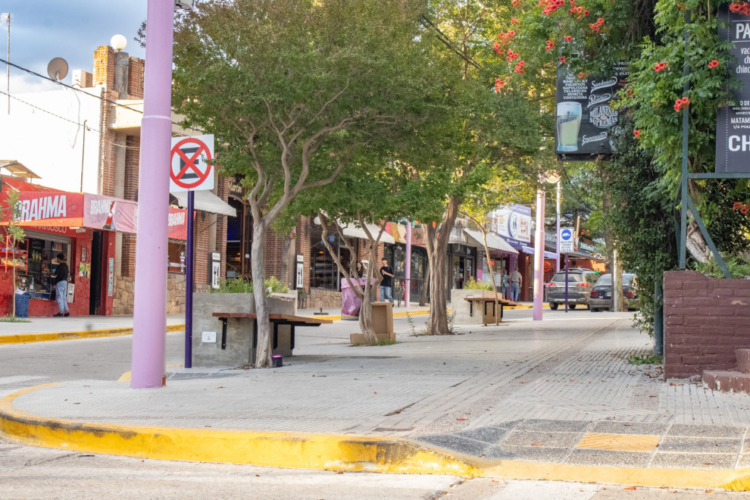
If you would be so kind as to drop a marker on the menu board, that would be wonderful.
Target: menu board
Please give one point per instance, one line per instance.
(733, 122)
(585, 122)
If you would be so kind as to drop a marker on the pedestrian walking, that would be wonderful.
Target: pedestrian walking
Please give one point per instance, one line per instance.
(504, 283)
(515, 284)
(61, 285)
(386, 286)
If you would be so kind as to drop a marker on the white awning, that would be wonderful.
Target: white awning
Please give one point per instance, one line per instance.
(494, 242)
(206, 201)
(357, 232)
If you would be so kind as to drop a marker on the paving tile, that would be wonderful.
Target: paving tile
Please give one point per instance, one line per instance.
(490, 435)
(619, 442)
(610, 427)
(744, 461)
(692, 461)
(456, 443)
(545, 439)
(722, 431)
(699, 445)
(553, 425)
(527, 453)
(608, 458)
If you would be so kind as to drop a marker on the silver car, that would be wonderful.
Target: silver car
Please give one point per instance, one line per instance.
(578, 289)
(601, 293)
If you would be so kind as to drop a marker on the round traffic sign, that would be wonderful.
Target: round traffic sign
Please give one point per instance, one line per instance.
(566, 234)
(190, 171)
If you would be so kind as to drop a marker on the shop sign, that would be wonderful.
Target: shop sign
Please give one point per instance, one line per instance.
(55, 209)
(513, 223)
(235, 187)
(110, 214)
(733, 122)
(586, 123)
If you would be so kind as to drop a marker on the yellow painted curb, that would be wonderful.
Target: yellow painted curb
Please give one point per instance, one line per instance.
(325, 451)
(88, 334)
(272, 449)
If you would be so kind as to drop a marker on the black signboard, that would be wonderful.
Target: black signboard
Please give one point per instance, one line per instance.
(585, 121)
(733, 122)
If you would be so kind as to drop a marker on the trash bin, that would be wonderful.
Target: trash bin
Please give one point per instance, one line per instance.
(22, 306)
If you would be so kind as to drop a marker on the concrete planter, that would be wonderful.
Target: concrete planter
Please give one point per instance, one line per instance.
(239, 346)
(462, 308)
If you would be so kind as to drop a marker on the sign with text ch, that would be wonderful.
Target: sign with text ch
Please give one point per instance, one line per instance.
(567, 240)
(733, 121)
(190, 164)
(586, 125)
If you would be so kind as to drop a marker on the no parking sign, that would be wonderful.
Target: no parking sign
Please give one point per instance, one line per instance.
(190, 163)
(567, 240)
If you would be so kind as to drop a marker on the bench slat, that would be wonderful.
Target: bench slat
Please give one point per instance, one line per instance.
(281, 317)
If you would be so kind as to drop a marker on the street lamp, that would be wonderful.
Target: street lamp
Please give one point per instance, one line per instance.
(551, 177)
(118, 42)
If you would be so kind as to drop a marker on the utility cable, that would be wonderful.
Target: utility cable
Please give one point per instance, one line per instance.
(445, 40)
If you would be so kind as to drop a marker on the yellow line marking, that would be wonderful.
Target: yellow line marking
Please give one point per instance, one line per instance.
(619, 442)
(88, 334)
(324, 451)
(126, 377)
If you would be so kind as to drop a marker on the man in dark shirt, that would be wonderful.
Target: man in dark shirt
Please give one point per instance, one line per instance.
(386, 286)
(61, 285)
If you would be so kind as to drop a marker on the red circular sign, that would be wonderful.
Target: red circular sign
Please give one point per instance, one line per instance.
(190, 163)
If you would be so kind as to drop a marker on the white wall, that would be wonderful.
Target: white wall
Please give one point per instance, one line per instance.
(50, 146)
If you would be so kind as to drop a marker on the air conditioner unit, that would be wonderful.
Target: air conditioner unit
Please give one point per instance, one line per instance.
(184, 4)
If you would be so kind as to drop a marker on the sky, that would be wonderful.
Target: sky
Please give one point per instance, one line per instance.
(72, 29)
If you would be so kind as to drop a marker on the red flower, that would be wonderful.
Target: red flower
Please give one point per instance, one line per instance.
(585, 13)
(737, 205)
(713, 64)
(600, 21)
(744, 210)
(637, 133)
(580, 75)
(568, 38)
(660, 66)
(681, 104)
(562, 59)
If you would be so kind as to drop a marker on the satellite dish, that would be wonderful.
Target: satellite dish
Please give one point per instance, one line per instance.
(57, 69)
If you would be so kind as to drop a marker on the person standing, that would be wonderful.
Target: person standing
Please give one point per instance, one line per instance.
(504, 283)
(61, 285)
(360, 270)
(515, 284)
(386, 286)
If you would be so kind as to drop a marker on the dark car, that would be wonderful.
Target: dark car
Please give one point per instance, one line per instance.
(601, 293)
(578, 289)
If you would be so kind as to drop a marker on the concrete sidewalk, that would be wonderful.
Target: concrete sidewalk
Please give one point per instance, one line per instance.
(550, 400)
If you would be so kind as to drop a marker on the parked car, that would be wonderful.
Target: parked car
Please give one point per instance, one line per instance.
(578, 289)
(601, 293)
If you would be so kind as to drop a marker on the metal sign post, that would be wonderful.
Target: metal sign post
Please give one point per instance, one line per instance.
(567, 245)
(566, 283)
(191, 170)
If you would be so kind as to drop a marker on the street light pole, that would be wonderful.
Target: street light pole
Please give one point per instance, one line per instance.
(149, 318)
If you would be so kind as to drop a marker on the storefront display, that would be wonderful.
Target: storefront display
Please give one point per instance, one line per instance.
(37, 278)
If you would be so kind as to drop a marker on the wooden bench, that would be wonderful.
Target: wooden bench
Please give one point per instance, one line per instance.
(275, 319)
(489, 300)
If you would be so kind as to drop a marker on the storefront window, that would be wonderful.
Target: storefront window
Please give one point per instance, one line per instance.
(38, 276)
(177, 256)
(323, 270)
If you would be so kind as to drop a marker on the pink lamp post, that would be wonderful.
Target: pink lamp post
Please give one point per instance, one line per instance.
(150, 320)
(539, 257)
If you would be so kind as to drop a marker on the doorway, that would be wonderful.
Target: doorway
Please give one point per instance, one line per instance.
(95, 279)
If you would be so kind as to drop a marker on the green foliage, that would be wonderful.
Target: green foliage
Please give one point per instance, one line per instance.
(13, 319)
(738, 267)
(476, 285)
(239, 285)
(641, 221)
(634, 359)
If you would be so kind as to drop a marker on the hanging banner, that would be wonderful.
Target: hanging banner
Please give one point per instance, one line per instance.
(513, 223)
(733, 121)
(585, 121)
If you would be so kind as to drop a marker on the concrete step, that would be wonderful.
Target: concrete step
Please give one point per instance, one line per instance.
(743, 360)
(727, 380)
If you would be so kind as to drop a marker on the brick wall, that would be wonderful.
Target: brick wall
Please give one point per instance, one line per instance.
(104, 67)
(273, 245)
(107, 147)
(705, 320)
(135, 78)
(302, 247)
(132, 159)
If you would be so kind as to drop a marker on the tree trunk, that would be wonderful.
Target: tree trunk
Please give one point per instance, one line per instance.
(285, 246)
(365, 321)
(437, 323)
(265, 349)
(425, 288)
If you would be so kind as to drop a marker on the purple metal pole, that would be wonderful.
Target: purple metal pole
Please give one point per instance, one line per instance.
(149, 318)
(539, 258)
(407, 292)
(189, 283)
(566, 283)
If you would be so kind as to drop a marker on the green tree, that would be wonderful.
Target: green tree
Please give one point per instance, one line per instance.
(294, 90)
(10, 213)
